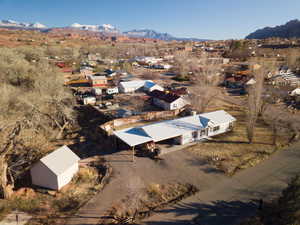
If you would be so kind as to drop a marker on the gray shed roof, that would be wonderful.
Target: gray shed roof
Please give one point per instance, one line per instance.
(172, 128)
(60, 160)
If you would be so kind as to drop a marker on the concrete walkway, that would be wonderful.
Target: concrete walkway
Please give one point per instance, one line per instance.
(11, 219)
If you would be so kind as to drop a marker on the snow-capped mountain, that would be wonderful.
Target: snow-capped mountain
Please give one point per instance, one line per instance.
(12, 23)
(147, 33)
(107, 28)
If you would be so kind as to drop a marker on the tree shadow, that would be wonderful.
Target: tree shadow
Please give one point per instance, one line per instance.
(215, 213)
(204, 166)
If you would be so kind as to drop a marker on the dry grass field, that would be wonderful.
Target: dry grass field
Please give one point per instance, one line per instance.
(231, 152)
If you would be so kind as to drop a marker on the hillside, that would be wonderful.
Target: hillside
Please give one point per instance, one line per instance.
(148, 33)
(100, 31)
(289, 30)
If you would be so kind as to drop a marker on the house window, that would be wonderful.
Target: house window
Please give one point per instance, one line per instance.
(216, 128)
(202, 132)
(195, 134)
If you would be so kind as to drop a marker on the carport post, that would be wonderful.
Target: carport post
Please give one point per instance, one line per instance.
(133, 154)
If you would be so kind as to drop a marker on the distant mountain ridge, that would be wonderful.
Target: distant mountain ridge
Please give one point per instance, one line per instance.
(104, 29)
(15, 24)
(97, 28)
(289, 30)
(148, 33)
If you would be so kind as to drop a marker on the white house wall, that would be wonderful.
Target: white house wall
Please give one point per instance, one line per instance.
(188, 137)
(67, 176)
(43, 177)
(177, 104)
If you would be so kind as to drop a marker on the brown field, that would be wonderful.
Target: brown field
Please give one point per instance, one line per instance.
(231, 152)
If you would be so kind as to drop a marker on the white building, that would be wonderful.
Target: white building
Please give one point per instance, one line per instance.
(56, 169)
(112, 90)
(182, 131)
(131, 86)
(147, 60)
(89, 100)
(167, 100)
(136, 85)
(151, 86)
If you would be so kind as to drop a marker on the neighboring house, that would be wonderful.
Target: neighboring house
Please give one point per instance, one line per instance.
(285, 80)
(97, 91)
(89, 100)
(112, 90)
(97, 81)
(151, 86)
(138, 85)
(86, 73)
(252, 81)
(56, 169)
(181, 131)
(167, 100)
(131, 86)
(147, 60)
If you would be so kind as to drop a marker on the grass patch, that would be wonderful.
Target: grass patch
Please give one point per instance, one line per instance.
(231, 152)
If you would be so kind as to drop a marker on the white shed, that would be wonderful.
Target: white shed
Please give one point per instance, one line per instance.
(56, 169)
(131, 86)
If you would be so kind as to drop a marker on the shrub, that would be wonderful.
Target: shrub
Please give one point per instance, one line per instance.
(67, 203)
(25, 205)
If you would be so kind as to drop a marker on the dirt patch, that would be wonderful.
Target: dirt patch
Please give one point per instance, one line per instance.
(154, 197)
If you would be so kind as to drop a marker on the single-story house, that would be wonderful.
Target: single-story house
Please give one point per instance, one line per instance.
(97, 81)
(56, 169)
(131, 86)
(112, 90)
(151, 86)
(183, 130)
(137, 85)
(167, 100)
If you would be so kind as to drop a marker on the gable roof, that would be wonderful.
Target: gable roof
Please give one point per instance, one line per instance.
(60, 160)
(134, 83)
(165, 96)
(172, 128)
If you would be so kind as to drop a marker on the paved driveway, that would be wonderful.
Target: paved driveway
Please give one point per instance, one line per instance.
(221, 200)
(228, 201)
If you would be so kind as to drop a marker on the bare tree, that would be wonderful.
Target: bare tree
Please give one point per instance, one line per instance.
(206, 77)
(35, 108)
(254, 102)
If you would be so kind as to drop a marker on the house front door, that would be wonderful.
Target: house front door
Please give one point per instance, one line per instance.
(206, 131)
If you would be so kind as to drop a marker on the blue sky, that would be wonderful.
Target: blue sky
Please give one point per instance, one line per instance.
(213, 19)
